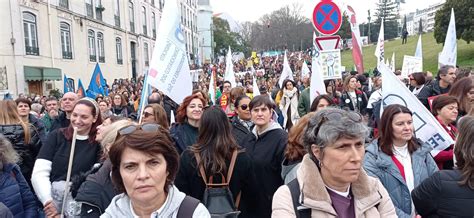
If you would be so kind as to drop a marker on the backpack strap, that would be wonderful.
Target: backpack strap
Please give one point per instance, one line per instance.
(201, 168)
(295, 191)
(231, 166)
(187, 207)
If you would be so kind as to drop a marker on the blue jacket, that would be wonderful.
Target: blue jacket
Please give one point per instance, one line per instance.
(380, 165)
(15, 192)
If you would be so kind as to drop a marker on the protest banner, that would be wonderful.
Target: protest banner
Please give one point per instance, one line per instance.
(411, 64)
(331, 64)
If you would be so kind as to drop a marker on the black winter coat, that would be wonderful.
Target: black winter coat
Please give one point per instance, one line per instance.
(241, 134)
(189, 181)
(39, 125)
(361, 104)
(432, 89)
(184, 135)
(60, 122)
(267, 153)
(28, 152)
(441, 196)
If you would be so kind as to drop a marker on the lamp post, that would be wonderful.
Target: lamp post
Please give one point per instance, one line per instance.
(368, 18)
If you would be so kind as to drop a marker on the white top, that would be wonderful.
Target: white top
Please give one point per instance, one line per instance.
(154, 214)
(343, 194)
(402, 155)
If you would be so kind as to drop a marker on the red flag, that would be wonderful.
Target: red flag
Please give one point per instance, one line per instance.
(356, 49)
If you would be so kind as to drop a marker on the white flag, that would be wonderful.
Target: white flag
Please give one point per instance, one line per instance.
(304, 70)
(419, 49)
(379, 50)
(316, 86)
(169, 68)
(449, 54)
(427, 128)
(229, 69)
(256, 90)
(172, 120)
(212, 90)
(393, 62)
(286, 73)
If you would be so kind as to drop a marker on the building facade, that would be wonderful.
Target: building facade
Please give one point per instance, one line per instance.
(189, 27)
(43, 40)
(205, 30)
(426, 16)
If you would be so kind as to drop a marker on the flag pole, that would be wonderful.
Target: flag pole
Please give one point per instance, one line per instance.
(69, 169)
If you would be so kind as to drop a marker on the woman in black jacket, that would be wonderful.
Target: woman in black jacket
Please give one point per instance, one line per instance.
(24, 137)
(242, 124)
(215, 147)
(450, 193)
(352, 98)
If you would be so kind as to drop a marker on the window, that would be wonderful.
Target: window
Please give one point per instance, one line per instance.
(89, 9)
(153, 2)
(31, 35)
(144, 21)
(100, 47)
(117, 13)
(91, 41)
(98, 10)
(132, 17)
(153, 24)
(145, 54)
(66, 46)
(64, 4)
(118, 47)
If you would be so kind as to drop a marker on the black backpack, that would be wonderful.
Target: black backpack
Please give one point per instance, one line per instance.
(217, 197)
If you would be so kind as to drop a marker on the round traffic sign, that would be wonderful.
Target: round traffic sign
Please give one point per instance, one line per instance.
(327, 17)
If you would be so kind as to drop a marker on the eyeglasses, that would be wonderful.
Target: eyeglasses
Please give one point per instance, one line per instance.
(337, 115)
(147, 127)
(147, 114)
(244, 106)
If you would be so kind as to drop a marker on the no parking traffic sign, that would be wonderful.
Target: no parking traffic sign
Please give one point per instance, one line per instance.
(327, 17)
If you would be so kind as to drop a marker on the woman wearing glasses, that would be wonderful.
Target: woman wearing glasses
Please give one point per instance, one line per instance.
(155, 113)
(398, 159)
(144, 166)
(417, 82)
(331, 181)
(185, 130)
(216, 148)
(242, 124)
(120, 106)
(49, 172)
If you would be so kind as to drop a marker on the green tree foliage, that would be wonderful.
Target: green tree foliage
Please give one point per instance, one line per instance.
(224, 37)
(388, 11)
(464, 15)
(345, 31)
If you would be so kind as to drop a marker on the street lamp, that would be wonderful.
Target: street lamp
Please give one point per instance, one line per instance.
(368, 18)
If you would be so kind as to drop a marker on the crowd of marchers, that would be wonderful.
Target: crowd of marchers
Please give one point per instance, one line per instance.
(275, 153)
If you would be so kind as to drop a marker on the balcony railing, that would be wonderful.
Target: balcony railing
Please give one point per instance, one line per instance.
(154, 33)
(64, 4)
(101, 59)
(67, 55)
(119, 61)
(117, 20)
(98, 12)
(32, 50)
(92, 58)
(145, 30)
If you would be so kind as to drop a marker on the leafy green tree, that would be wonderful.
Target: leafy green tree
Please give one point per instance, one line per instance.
(345, 31)
(224, 37)
(464, 15)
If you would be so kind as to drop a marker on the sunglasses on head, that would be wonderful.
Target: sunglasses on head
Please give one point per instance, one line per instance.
(147, 127)
(244, 106)
(338, 115)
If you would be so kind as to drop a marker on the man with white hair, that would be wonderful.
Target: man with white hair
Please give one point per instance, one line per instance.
(67, 105)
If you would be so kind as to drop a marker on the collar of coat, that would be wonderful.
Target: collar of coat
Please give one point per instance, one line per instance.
(315, 195)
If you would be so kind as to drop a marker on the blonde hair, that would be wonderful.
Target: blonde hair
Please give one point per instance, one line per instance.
(9, 116)
(111, 134)
(7, 153)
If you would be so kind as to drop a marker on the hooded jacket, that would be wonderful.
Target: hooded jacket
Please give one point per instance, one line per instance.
(266, 150)
(381, 166)
(370, 197)
(121, 206)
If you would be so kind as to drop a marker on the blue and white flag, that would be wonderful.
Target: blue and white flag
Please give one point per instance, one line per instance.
(427, 128)
(146, 92)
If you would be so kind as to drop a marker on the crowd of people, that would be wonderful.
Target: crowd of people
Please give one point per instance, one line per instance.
(275, 153)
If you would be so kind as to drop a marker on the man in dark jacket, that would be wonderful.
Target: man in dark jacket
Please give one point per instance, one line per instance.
(67, 105)
(442, 84)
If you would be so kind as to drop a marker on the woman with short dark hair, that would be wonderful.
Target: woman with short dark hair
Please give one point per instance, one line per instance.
(120, 106)
(398, 159)
(417, 82)
(450, 193)
(445, 110)
(242, 124)
(144, 166)
(321, 102)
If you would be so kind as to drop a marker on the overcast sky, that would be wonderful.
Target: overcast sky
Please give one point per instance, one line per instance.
(252, 10)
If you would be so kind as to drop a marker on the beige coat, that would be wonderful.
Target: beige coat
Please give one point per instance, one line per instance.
(370, 197)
